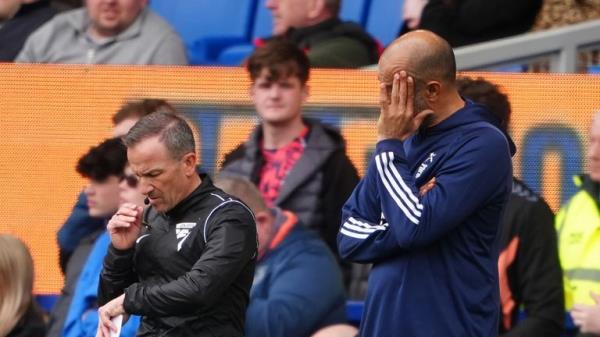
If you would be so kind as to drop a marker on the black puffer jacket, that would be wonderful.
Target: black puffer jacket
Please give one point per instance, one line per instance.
(315, 188)
(191, 270)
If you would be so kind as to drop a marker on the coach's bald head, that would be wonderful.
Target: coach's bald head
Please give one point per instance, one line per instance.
(429, 60)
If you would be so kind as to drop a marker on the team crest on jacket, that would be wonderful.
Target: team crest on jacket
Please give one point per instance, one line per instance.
(425, 164)
(182, 230)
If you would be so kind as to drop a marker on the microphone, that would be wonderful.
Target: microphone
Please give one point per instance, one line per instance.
(146, 201)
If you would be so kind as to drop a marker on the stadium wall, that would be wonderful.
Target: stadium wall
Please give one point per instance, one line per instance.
(51, 114)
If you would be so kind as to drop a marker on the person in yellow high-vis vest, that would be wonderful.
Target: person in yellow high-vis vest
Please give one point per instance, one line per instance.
(578, 226)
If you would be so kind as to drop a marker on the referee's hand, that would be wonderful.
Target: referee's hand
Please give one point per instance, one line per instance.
(125, 226)
(106, 313)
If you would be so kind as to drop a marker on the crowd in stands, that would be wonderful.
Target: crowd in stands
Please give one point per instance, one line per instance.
(334, 34)
(293, 172)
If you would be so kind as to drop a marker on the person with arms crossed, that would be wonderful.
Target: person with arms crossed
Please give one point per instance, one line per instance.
(186, 262)
(435, 270)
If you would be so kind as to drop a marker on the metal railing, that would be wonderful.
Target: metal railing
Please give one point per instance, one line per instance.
(561, 48)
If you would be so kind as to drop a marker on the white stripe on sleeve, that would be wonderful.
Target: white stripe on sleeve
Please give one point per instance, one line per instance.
(392, 192)
(404, 186)
(354, 235)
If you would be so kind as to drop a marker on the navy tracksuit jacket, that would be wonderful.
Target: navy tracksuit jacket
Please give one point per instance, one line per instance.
(435, 270)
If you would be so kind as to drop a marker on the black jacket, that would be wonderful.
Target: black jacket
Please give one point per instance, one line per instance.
(315, 188)
(30, 325)
(532, 267)
(464, 22)
(15, 31)
(191, 270)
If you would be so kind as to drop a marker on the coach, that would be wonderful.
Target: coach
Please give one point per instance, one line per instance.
(434, 254)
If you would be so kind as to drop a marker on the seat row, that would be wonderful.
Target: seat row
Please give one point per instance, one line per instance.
(222, 32)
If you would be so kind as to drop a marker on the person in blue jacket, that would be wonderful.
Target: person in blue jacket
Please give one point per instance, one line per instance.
(82, 317)
(434, 256)
(297, 287)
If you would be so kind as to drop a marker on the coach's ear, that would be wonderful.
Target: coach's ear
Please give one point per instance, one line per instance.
(433, 90)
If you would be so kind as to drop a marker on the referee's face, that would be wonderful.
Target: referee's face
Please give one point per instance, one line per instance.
(162, 178)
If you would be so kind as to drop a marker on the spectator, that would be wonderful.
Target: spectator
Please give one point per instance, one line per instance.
(297, 286)
(559, 13)
(298, 164)
(529, 267)
(412, 11)
(19, 315)
(103, 166)
(435, 256)
(18, 19)
(82, 317)
(314, 26)
(80, 223)
(577, 223)
(464, 22)
(105, 32)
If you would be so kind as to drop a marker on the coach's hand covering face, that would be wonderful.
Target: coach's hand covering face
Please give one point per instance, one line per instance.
(434, 250)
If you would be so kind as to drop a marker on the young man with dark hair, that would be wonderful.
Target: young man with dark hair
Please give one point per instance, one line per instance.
(185, 263)
(530, 272)
(297, 163)
(103, 166)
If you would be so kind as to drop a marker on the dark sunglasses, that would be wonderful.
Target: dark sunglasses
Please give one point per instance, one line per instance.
(131, 180)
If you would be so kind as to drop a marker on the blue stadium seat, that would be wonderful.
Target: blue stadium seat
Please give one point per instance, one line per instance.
(354, 310)
(207, 26)
(46, 301)
(352, 10)
(595, 69)
(263, 26)
(355, 10)
(235, 55)
(384, 19)
(510, 68)
(263, 21)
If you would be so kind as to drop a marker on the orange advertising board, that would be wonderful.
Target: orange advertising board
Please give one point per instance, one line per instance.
(51, 114)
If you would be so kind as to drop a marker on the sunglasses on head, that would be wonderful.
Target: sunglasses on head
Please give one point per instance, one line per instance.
(131, 180)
